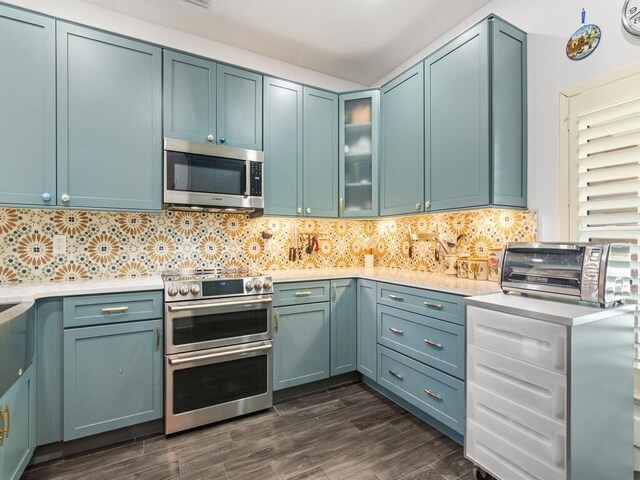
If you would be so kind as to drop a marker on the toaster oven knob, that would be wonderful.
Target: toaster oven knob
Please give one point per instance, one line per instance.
(184, 290)
(195, 289)
(173, 291)
(267, 284)
(258, 285)
(249, 286)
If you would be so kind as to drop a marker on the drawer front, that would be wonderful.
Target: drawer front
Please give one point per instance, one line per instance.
(113, 308)
(542, 390)
(492, 451)
(542, 437)
(300, 293)
(433, 392)
(533, 341)
(435, 304)
(428, 340)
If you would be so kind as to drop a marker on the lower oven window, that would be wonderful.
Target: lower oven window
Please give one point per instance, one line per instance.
(203, 328)
(210, 385)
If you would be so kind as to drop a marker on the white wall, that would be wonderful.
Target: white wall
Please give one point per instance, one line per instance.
(549, 24)
(84, 13)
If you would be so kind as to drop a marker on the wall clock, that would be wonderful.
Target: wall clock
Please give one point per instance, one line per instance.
(631, 16)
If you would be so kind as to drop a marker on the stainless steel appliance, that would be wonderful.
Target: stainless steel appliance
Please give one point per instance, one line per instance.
(595, 273)
(17, 342)
(218, 346)
(212, 177)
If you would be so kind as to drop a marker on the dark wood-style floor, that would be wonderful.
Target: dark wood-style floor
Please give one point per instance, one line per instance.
(345, 433)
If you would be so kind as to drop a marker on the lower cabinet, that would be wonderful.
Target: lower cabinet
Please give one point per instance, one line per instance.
(17, 426)
(343, 326)
(112, 377)
(366, 329)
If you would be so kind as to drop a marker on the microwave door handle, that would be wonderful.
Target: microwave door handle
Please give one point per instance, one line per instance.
(247, 175)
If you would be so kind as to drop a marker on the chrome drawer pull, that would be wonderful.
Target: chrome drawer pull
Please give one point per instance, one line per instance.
(436, 306)
(396, 331)
(432, 343)
(303, 294)
(115, 309)
(395, 297)
(395, 374)
(431, 394)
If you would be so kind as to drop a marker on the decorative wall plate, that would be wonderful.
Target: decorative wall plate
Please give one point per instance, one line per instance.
(584, 41)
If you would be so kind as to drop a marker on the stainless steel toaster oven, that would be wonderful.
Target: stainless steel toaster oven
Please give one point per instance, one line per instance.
(595, 273)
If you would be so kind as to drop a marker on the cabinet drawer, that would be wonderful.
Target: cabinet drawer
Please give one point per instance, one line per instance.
(113, 308)
(433, 392)
(300, 293)
(542, 390)
(541, 343)
(429, 340)
(435, 304)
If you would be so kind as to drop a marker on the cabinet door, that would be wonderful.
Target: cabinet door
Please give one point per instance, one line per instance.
(239, 108)
(282, 147)
(320, 168)
(402, 144)
(366, 328)
(359, 125)
(27, 100)
(457, 122)
(300, 344)
(109, 121)
(343, 326)
(112, 377)
(17, 407)
(189, 98)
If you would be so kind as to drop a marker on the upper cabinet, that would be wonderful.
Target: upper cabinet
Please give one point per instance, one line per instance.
(28, 112)
(209, 103)
(475, 119)
(402, 144)
(359, 124)
(109, 121)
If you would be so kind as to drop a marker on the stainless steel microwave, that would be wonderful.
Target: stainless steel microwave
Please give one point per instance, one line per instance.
(212, 177)
(591, 272)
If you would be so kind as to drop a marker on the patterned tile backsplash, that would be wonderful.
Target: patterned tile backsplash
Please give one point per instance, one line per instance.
(106, 244)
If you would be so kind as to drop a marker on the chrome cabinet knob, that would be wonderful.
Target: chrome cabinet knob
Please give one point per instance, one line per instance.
(249, 286)
(427, 204)
(172, 291)
(267, 284)
(184, 290)
(259, 284)
(65, 197)
(308, 210)
(210, 138)
(221, 140)
(46, 197)
(418, 206)
(195, 289)
(298, 210)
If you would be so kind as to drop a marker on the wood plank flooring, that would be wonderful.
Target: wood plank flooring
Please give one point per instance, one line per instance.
(348, 433)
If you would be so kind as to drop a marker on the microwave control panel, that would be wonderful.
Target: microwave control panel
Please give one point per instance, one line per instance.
(255, 171)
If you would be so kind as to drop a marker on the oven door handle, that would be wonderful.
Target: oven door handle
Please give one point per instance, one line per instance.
(199, 358)
(185, 308)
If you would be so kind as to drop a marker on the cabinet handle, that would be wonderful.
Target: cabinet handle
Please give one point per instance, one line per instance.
(308, 210)
(277, 321)
(432, 394)
(299, 210)
(418, 205)
(115, 309)
(65, 198)
(210, 138)
(397, 331)
(7, 426)
(427, 204)
(221, 140)
(303, 294)
(157, 338)
(435, 306)
(432, 343)
(341, 206)
(396, 297)
(1, 426)
(46, 196)
(395, 374)
(333, 287)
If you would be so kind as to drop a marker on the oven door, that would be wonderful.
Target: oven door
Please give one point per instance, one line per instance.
(204, 324)
(212, 385)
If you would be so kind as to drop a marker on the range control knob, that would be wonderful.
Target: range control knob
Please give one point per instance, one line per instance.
(249, 286)
(173, 291)
(258, 285)
(267, 284)
(184, 290)
(195, 289)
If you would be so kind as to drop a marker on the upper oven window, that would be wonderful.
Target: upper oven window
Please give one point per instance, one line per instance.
(190, 172)
(205, 326)
(553, 267)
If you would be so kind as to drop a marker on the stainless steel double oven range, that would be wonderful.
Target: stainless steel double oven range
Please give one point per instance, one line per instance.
(218, 346)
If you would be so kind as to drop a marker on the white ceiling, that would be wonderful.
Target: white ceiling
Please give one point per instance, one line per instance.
(356, 40)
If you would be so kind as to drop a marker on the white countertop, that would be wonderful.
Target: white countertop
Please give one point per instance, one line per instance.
(564, 312)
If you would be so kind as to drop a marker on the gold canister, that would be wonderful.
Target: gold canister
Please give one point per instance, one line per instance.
(463, 267)
(478, 269)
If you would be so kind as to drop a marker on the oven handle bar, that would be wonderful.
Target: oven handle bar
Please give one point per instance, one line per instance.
(181, 361)
(221, 304)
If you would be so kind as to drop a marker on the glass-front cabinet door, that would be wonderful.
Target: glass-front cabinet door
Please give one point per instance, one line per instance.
(359, 123)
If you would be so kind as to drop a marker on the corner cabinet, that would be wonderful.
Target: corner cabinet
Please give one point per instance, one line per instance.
(343, 326)
(109, 121)
(359, 126)
(402, 144)
(475, 119)
(28, 99)
(206, 102)
(367, 329)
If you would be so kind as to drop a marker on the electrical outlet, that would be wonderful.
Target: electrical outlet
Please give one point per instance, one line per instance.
(59, 244)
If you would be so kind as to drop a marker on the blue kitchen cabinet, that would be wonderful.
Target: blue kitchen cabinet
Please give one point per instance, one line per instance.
(475, 119)
(189, 98)
(27, 97)
(301, 344)
(320, 159)
(239, 108)
(366, 328)
(282, 147)
(112, 377)
(343, 326)
(109, 114)
(359, 131)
